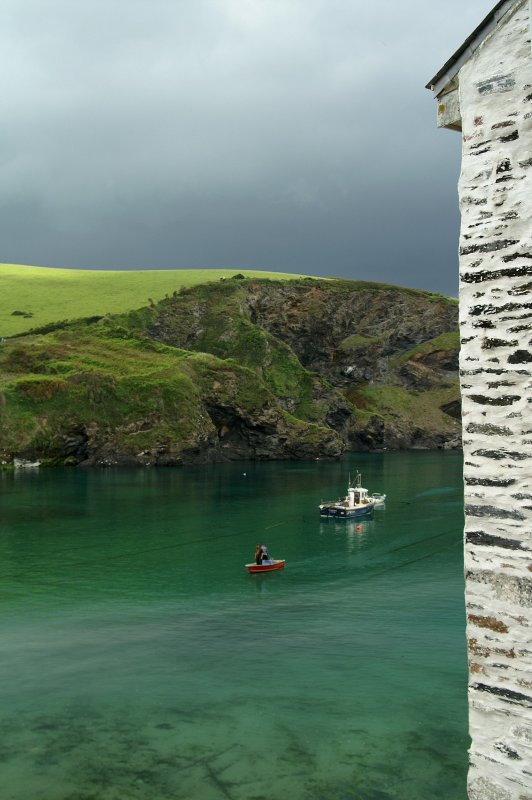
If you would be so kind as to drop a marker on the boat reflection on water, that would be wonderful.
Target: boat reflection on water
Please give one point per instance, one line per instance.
(358, 532)
(355, 531)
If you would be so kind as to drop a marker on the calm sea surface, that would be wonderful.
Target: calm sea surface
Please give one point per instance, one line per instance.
(140, 661)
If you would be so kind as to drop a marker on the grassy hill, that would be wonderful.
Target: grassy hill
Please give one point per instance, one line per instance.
(239, 369)
(36, 296)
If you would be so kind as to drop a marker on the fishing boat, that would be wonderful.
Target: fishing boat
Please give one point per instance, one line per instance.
(356, 503)
(267, 566)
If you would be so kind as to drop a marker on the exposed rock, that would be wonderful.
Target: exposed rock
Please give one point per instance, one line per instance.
(453, 409)
(247, 370)
(418, 377)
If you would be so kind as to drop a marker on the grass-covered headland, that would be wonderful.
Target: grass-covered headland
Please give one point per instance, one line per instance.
(36, 296)
(234, 368)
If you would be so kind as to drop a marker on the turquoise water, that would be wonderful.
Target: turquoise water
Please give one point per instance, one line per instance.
(140, 661)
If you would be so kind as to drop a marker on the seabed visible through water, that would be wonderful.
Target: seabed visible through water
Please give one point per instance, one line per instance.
(141, 661)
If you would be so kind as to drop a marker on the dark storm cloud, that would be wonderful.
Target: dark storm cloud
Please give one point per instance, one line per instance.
(292, 135)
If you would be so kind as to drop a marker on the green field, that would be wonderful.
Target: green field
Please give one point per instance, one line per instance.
(35, 296)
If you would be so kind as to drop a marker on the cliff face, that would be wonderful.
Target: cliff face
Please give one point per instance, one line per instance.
(350, 334)
(238, 369)
(387, 358)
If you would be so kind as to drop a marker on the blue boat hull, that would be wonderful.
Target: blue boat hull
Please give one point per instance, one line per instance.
(345, 513)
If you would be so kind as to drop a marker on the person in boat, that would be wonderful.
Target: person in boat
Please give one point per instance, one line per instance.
(258, 555)
(265, 554)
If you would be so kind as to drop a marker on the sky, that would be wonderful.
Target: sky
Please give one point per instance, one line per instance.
(285, 135)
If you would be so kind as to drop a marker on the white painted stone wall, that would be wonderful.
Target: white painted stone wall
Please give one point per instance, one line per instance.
(495, 191)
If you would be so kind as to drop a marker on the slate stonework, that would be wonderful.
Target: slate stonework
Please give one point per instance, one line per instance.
(495, 189)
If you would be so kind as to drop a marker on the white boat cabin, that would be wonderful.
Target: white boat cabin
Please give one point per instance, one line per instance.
(356, 496)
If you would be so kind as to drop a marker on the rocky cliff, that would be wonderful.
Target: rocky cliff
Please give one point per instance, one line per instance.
(237, 369)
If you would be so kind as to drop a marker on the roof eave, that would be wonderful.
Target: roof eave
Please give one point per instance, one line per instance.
(466, 50)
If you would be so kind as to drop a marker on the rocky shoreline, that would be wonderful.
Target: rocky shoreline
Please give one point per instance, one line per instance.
(241, 369)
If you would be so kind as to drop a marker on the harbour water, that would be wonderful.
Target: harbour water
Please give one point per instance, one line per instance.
(140, 661)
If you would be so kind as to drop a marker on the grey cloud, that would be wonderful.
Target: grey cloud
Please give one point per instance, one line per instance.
(290, 134)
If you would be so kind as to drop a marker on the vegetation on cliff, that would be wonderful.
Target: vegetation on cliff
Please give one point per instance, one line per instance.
(240, 368)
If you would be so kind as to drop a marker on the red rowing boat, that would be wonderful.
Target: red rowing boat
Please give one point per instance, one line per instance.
(267, 566)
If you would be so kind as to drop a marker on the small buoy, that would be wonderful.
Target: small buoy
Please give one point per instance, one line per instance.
(244, 474)
(359, 528)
